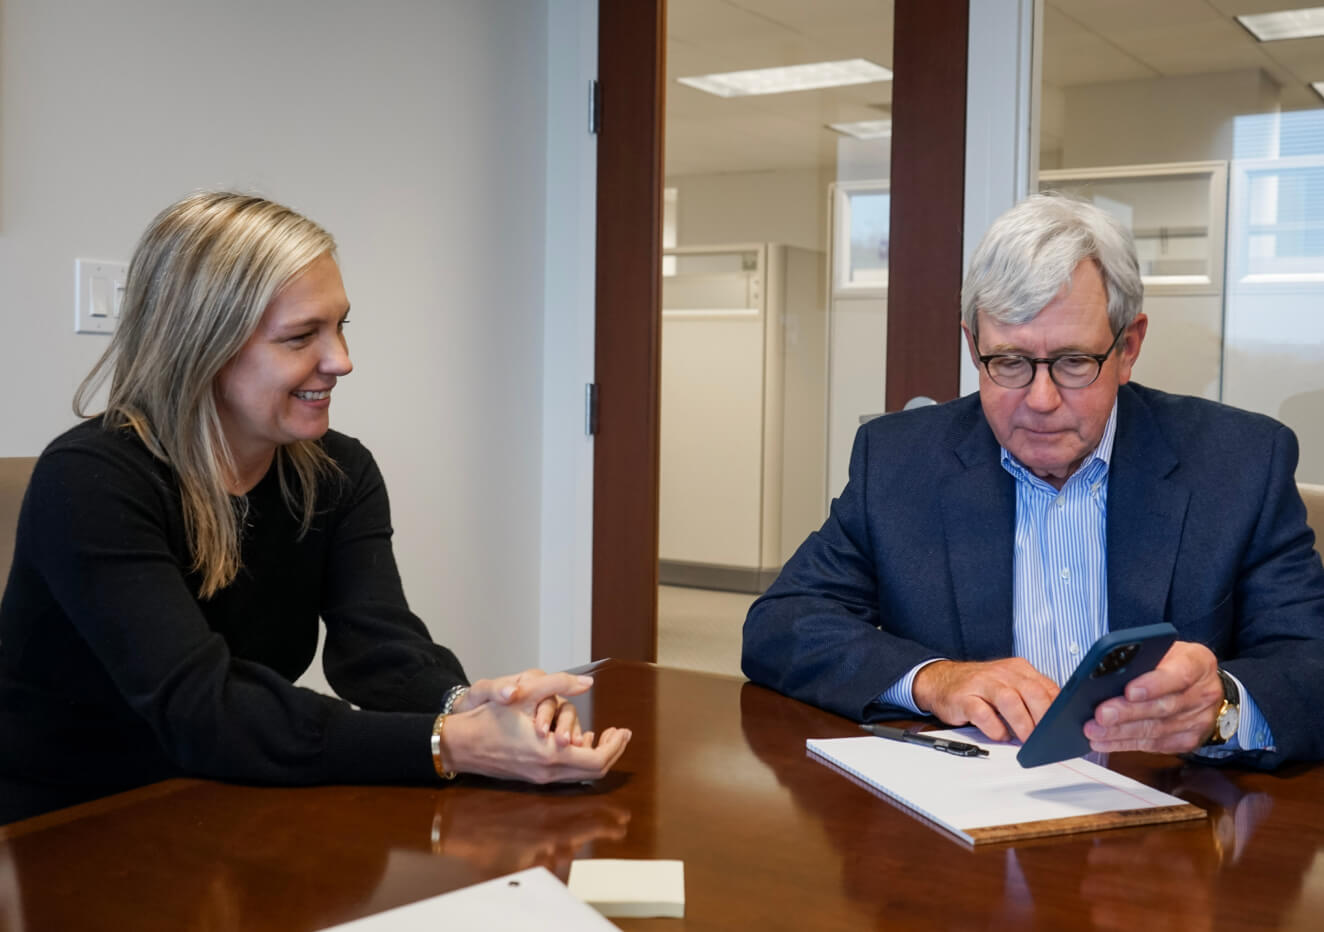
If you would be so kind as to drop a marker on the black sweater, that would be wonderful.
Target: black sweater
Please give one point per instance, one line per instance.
(113, 673)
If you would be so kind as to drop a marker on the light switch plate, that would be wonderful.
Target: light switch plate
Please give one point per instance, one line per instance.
(100, 287)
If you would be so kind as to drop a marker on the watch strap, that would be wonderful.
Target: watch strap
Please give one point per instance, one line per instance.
(1231, 693)
(1231, 707)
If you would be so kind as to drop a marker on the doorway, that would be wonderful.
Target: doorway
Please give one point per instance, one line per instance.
(773, 315)
(630, 214)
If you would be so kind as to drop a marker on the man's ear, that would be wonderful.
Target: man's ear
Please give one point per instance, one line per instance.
(1130, 349)
(971, 345)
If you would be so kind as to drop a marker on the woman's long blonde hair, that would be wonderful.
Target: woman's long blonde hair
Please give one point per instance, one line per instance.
(198, 283)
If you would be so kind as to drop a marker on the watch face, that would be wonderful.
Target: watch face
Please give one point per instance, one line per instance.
(1228, 720)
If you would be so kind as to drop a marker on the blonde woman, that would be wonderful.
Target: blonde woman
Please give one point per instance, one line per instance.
(175, 552)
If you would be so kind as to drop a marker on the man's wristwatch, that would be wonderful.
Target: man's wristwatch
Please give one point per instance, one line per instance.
(1229, 713)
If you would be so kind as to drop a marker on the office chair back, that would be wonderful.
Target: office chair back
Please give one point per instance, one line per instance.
(14, 474)
(1313, 496)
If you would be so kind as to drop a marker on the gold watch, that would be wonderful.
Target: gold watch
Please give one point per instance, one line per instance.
(1229, 713)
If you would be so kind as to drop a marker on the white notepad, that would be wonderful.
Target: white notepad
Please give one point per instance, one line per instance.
(529, 899)
(625, 888)
(994, 798)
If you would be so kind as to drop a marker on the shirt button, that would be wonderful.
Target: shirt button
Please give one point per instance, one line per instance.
(1065, 573)
(1074, 648)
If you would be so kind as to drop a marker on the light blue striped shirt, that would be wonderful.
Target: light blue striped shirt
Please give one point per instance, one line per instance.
(1060, 581)
(1060, 567)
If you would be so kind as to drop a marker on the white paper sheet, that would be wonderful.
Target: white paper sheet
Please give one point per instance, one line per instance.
(963, 793)
(529, 899)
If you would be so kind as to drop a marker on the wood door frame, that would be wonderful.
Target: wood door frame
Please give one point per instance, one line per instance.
(627, 355)
(930, 41)
(928, 190)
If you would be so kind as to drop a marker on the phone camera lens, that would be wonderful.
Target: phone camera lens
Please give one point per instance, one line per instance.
(1116, 659)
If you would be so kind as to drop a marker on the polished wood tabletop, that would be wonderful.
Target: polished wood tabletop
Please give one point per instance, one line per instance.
(716, 776)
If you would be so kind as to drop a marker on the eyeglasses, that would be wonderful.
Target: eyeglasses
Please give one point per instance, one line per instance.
(1073, 370)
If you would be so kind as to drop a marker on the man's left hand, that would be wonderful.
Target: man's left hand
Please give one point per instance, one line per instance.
(1169, 710)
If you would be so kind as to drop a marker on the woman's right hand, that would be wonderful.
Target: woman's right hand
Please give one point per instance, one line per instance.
(553, 711)
(505, 689)
(517, 728)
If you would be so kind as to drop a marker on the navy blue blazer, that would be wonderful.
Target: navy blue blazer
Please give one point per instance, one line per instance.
(1205, 530)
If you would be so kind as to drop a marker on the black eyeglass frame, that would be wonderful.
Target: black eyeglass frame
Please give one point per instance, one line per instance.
(1050, 361)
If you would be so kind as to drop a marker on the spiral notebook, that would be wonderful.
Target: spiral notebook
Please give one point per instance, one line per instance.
(994, 799)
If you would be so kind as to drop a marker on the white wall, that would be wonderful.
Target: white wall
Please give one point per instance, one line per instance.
(566, 625)
(1184, 118)
(788, 206)
(857, 377)
(414, 130)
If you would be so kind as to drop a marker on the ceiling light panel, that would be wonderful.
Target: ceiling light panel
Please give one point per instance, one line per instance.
(864, 129)
(791, 78)
(1285, 24)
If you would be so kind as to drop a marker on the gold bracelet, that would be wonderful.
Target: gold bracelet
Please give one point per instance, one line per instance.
(442, 772)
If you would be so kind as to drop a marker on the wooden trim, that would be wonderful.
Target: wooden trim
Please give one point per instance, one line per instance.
(632, 75)
(929, 57)
(928, 188)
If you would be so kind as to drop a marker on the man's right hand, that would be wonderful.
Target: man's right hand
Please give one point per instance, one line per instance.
(992, 695)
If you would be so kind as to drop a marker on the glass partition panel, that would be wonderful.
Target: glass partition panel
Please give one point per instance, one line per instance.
(1274, 359)
(1175, 212)
(1163, 93)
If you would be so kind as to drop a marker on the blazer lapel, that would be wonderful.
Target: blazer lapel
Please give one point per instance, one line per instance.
(1146, 511)
(979, 522)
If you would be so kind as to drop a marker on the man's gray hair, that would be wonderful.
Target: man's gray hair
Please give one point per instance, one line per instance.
(1026, 259)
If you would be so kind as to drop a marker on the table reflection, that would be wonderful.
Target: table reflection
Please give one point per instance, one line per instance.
(229, 865)
(1140, 878)
(1133, 878)
(242, 858)
(503, 832)
(718, 776)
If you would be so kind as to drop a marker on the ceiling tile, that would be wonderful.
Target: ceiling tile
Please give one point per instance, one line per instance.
(1058, 23)
(1237, 7)
(810, 16)
(1085, 58)
(1108, 16)
(1191, 49)
(1303, 57)
(716, 19)
(871, 41)
(765, 52)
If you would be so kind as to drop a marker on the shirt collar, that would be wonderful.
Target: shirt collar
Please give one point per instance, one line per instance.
(1100, 455)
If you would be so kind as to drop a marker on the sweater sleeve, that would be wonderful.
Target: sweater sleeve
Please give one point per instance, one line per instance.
(103, 523)
(378, 654)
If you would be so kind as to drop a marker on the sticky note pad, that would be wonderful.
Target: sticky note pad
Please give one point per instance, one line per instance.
(635, 889)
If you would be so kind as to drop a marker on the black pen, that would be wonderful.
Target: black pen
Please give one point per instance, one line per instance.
(946, 745)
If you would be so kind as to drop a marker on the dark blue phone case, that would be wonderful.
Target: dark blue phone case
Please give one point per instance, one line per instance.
(1059, 735)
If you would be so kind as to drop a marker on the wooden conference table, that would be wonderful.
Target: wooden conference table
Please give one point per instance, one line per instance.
(716, 776)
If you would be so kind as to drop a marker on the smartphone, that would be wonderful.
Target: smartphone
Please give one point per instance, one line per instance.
(1115, 659)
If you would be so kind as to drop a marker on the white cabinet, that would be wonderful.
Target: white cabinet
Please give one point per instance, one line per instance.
(1177, 214)
(743, 412)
